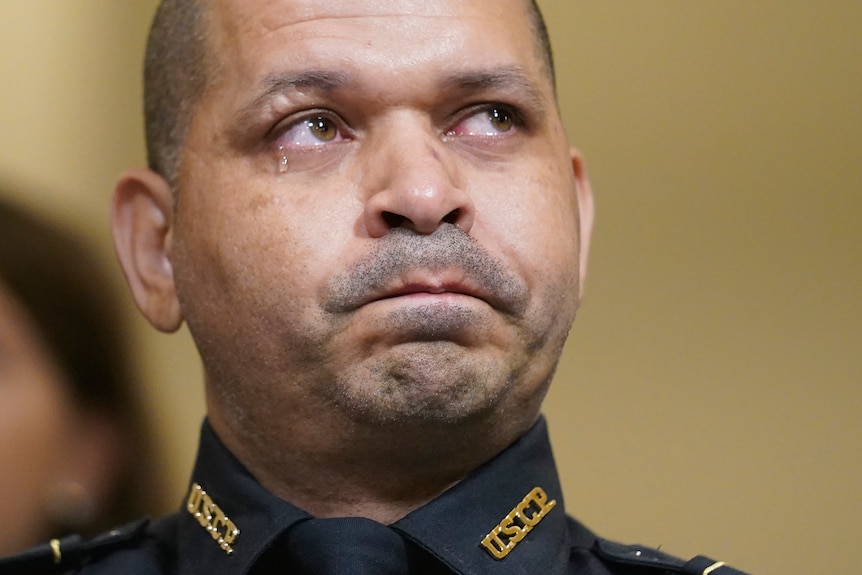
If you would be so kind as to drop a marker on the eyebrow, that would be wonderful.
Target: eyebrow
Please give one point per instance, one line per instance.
(508, 79)
(276, 85)
(317, 80)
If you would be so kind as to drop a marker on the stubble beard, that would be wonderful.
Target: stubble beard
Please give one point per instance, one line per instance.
(436, 376)
(426, 384)
(431, 381)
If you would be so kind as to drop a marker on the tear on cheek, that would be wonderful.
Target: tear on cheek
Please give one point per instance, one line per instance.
(281, 160)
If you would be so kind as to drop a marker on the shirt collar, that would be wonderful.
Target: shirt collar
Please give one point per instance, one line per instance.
(501, 496)
(454, 525)
(259, 515)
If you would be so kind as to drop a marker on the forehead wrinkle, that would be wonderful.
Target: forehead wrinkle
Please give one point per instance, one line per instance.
(238, 25)
(299, 17)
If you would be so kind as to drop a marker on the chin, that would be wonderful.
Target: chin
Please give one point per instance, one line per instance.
(426, 384)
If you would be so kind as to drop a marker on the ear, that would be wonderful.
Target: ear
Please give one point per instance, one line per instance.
(141, 222)
(586, 209)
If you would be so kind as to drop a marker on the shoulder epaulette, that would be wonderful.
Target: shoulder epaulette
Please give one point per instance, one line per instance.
(72, 552)
(640, 556)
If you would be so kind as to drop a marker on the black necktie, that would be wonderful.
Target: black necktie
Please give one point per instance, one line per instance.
(349, 546)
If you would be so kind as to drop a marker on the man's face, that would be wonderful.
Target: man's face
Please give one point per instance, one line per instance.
(378, 213)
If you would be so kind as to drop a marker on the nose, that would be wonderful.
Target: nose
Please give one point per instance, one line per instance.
(415, 182)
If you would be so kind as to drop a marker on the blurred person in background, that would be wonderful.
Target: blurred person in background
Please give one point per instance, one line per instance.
(73, 450)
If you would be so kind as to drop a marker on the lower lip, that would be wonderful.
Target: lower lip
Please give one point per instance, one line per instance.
(425, 299)
(424, 316)
(427, 296)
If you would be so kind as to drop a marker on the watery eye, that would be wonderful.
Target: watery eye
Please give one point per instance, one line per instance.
(486, 122)
(501, 119)
(310, 132)
(323, 129)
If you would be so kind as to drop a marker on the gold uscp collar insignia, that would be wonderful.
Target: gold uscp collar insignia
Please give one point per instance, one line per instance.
(518, 523)
(212, 518)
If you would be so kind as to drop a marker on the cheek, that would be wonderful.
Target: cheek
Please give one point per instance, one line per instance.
(533, 225)
(260, 253)
(533, 219)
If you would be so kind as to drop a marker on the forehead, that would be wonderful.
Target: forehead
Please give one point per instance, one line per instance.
(252, 36)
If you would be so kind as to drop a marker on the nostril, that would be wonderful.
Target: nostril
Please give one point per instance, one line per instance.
(452, 216)
(393, 220)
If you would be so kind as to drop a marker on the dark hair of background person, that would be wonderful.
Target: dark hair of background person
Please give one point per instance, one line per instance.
(63, 288)
(178, 65)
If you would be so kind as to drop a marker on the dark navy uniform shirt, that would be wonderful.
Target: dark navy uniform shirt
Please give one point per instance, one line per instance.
(506, 518)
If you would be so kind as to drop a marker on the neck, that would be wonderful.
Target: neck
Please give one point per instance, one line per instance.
(382, 473)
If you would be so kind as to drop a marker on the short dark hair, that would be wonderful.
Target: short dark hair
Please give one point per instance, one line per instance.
(178, 68)
(176, 73)
(542, 38)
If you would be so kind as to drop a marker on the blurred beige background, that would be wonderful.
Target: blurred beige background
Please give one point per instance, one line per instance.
(710, 398)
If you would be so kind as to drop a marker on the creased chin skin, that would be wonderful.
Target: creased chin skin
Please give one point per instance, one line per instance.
(413, 363)
(430, 375)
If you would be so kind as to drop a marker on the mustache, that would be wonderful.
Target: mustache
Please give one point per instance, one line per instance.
(448, 248)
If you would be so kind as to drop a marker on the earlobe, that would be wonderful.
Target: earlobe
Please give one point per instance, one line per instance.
(586, 210)
(141, 222)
